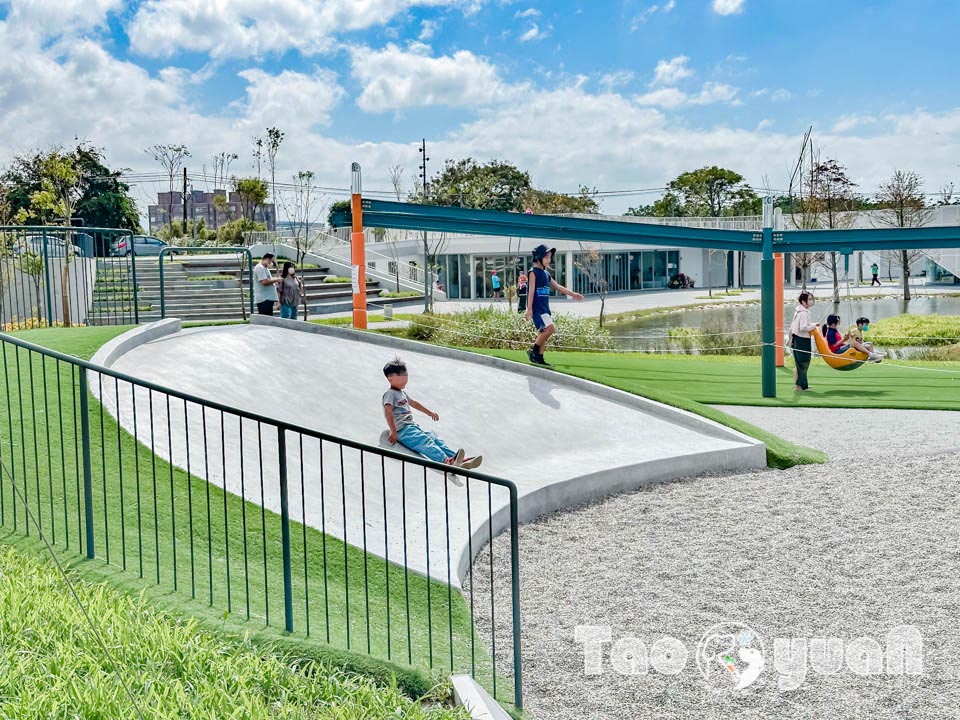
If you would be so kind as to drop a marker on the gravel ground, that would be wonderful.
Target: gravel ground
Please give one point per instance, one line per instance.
(845, 550)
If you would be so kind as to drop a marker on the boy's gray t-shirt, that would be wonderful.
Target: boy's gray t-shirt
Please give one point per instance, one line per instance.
(400, 402)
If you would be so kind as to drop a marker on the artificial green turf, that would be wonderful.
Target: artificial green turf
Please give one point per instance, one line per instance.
(54, 666)
(174, 533)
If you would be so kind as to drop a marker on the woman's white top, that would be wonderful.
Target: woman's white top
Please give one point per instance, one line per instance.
(802, 323)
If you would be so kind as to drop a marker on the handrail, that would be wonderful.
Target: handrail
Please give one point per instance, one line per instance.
(177, 248)
(246, 414)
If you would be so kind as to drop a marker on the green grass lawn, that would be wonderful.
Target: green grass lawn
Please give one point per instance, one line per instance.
(54, 667)
(198, 550)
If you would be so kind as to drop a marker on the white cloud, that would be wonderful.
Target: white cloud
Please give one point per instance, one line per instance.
(57, 17)
(245, 28)
(780, 95)
(528, 13)
(671, 98)
(644, 15)
(670, 72)
(395, 78)
(728, 7)
(534, 32)
(428, 28)
(670, 5)
(613, 80)
(291, 99)
(849, 122)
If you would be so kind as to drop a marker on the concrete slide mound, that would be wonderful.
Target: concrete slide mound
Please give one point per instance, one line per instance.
(561, 440)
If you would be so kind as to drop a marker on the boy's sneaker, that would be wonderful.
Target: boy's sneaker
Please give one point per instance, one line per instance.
(876, 357)
(471, 462)
(532, 354)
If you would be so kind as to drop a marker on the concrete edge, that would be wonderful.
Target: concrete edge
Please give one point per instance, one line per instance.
(468, 693)
(684, 418)
(111, 351)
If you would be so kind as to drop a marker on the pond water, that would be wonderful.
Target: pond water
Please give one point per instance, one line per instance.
(650, 333)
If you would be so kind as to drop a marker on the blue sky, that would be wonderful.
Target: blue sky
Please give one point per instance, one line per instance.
(609, 94)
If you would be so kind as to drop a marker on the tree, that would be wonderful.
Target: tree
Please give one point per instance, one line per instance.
(171, 159)
(903, 206)
(832, 192)
(274, 139)
(221, 171)
(465, 183)
(253, 194)
(802, 196)
(32, 265)
(591, 264)
(303, 209)
(545, 202)
(396, 180)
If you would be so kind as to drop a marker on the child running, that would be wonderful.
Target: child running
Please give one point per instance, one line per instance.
(396, 409)
(539, 285)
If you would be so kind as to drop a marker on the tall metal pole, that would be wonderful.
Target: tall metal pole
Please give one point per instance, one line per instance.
(768, 307)
(426, 271)
(358, 251)
(184, 202)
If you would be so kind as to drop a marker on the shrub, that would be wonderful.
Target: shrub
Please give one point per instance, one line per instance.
(911, 330)
(401, 294)
(507, 330)
(714, 337)
(336, 279)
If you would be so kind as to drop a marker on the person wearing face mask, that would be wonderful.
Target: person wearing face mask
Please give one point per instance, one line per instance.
(854, 337)
(800, 341)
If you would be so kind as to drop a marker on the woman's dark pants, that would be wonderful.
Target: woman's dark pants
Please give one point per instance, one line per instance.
(801, 356)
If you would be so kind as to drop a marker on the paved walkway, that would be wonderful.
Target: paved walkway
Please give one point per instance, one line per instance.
(652, 299)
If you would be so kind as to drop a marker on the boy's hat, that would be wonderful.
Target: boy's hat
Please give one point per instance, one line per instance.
(541, 251)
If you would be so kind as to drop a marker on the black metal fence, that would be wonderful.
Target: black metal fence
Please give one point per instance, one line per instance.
(66, 276)
(362, 547)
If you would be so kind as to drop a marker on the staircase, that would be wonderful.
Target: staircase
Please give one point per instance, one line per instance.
(207, 289)
(949, 260)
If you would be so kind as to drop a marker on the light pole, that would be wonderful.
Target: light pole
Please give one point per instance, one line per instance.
(426, 271)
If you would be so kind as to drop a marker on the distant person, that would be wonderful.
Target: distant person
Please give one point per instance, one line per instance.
(265, 285)
(495, 282)
(396, 409)
(291, 290)
(800, 341)
(854, 336)
(539, 285)
(875, 269)
(522, 293)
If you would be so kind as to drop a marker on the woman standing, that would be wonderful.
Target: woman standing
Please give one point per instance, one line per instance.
(800, 340)
(290, 291)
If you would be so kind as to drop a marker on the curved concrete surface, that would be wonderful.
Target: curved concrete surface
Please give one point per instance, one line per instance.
(563, 441)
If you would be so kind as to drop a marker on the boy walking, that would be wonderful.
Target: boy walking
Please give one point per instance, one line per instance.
(397, 411)
(539, 285)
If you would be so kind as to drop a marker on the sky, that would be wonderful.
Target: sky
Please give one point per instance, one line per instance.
(617, 95)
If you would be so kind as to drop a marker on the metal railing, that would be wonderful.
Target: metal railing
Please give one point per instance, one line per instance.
(53, 275)
(362, 547)
(206, 251)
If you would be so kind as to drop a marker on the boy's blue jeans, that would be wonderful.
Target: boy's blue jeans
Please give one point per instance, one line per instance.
(288, 311)
(424, 443)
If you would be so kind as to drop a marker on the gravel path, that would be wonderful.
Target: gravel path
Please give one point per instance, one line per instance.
(849, 549)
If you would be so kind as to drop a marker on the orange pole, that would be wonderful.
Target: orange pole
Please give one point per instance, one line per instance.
(358, 257)
(778, 301)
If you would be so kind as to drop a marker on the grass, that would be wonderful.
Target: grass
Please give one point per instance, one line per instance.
(724, 293)
(160, 529)
(204, 278)
(336, 279)
(54, 666)
(911, 330)
(401, 294)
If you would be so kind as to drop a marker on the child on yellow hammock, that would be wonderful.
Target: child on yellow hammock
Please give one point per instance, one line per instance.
(855, 334)
(839, 344)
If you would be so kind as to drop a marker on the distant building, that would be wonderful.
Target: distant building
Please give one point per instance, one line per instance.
(200, 206)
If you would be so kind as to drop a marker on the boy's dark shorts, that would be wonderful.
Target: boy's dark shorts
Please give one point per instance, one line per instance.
(541, 321)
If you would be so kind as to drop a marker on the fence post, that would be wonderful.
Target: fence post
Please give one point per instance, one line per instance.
(136, 298)
(249, 279)
(285, 531)
(163, 300)
(46, 273)
(515, 578)
(87, 471)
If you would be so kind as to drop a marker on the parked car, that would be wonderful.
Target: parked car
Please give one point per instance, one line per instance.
(139, 245)
(56, 246)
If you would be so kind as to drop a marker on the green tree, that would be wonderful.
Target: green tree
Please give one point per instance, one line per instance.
(466, 183)
(904, 206)
(712, 191)
(253, 194)
(546, 202)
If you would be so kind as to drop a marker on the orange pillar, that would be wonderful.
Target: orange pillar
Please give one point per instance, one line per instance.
(778, 300)
(358, 254)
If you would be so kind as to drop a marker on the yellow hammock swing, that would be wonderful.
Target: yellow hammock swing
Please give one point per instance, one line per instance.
(850, 359)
